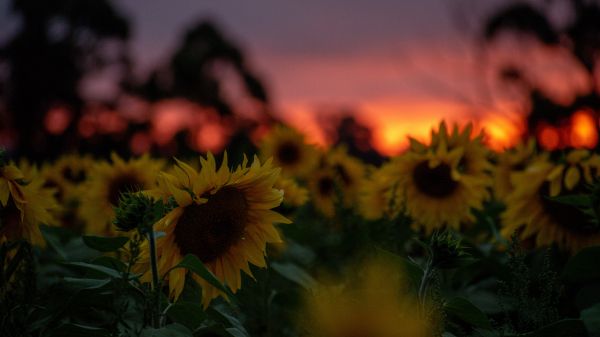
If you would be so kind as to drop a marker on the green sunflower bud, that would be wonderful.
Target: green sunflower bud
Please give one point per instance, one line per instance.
(446, 250)
(137, 211)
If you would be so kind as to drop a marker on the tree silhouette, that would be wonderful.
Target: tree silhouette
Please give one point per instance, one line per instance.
(580, 36)
(190, 72)
(59, 42)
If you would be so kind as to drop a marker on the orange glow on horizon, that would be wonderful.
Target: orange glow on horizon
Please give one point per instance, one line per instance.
(57, 120)
(549, 137)
(583, 129)
(393, 122)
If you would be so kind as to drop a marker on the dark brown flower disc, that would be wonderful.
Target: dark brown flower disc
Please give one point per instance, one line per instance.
(288, 153)
(435, 182)
(209, 230)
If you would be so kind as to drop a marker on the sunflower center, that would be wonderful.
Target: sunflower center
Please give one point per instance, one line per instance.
(435, 182)
(567, 216)
(75, 176)
(10, 220)
(123, 184)
(288, 153)
(326, 185)
(210, 229)
(52, 184)
(346, 179)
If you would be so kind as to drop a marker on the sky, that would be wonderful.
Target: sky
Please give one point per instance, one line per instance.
(403, 65)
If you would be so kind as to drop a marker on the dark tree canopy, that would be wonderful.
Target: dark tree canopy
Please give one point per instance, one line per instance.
(580, 36)
(57, 44)
(190, 72)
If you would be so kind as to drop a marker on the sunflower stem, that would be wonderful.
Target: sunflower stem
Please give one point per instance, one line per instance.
(424, 283)
(155, 279)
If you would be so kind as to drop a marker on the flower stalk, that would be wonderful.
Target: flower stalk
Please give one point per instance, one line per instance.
(155, 279)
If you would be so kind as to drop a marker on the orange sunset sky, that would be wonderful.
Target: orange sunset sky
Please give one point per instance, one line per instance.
(401, 65)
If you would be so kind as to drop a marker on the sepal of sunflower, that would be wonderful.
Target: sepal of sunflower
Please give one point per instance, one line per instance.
(446, 250)
(139, 211)
(224, 217)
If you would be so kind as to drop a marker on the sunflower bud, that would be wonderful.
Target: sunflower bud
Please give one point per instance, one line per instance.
(446, 251)
(137, 211)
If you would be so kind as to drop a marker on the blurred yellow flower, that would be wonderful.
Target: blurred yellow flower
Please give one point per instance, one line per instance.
(25, 205)
(372, 301)
(378, 196)
(534, 216)
(513, 161)
(293, 194)
(106, 182)
(349, 173)
(289, 151)
(323, 191)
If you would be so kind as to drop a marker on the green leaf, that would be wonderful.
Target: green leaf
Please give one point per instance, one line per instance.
(295, 274)
(110, 262)
(583, 267)
(171, 330)
(591, 319)
(564, 328)
(105, 244)
(576, 200)
(78, 330)
(86, 283)
(233, 332)
(53, 241)
(467, 312)
(232, 325)
(99, 270)
(413, 271)
(189, 314)
(192, 263)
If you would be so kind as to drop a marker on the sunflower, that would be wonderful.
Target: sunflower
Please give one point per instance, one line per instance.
(105, 183)
(378, 193)
(440, 183)
(68, 174)
(349, 172)
(289, 151)
(25, 205)
(223, 217)
(533, 215)
(324, 191)
(294, 195)
(374, 304)
(513, 161)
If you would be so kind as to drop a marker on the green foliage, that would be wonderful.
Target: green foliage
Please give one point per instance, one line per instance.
(532, 293)
(583, 267)
(464, 310)
(591, 319)
(193, 264)
(139, 211)
(104, 244)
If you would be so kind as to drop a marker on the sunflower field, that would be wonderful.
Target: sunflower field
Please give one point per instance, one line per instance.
(447, 239)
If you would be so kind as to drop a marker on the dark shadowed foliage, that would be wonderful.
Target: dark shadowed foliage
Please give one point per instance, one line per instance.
(343, 128)
(191, 72)
(58, 43)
